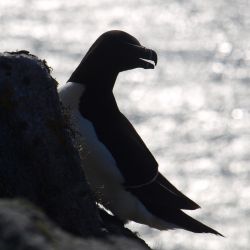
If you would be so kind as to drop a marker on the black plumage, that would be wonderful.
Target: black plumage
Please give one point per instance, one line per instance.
(112, 53)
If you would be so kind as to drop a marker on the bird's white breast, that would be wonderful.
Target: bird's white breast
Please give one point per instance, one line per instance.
(97, 160)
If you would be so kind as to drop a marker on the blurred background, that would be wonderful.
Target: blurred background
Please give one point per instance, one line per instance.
(193, 110)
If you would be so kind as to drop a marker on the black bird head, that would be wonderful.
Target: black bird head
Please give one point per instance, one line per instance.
(113, 52)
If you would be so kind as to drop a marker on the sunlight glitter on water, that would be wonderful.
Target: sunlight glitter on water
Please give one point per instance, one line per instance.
(192, 110)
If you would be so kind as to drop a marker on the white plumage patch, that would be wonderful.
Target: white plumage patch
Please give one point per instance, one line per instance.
(100, 168)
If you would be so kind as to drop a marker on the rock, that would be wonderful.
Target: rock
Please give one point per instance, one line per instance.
(38, 162)
(37, 159)
(25, 227)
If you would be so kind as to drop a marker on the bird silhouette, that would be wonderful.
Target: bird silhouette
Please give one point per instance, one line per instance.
(119, 167)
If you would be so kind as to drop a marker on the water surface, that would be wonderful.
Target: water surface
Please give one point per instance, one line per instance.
(192, 110)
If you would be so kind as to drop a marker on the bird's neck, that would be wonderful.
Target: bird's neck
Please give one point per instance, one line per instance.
(98, 98)
(96, 79)
(98, 85)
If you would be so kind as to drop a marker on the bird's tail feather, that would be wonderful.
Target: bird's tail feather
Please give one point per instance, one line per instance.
(186, 222)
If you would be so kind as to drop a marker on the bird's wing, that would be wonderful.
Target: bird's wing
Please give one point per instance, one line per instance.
(162, 194)
(133, 158)
(138, 165)
(187, 202)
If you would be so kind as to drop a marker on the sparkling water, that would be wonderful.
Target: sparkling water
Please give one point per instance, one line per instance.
(193, 110)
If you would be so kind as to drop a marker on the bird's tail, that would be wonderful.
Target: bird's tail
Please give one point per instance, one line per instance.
(186, 222)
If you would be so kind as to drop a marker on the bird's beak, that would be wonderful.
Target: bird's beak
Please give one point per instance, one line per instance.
(142, 57)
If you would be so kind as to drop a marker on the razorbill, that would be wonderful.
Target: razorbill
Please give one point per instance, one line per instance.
(119, 167)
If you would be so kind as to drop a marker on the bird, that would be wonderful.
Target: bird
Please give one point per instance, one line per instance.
(119, 167)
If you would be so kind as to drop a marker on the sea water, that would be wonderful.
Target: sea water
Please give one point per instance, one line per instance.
(193, 110)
